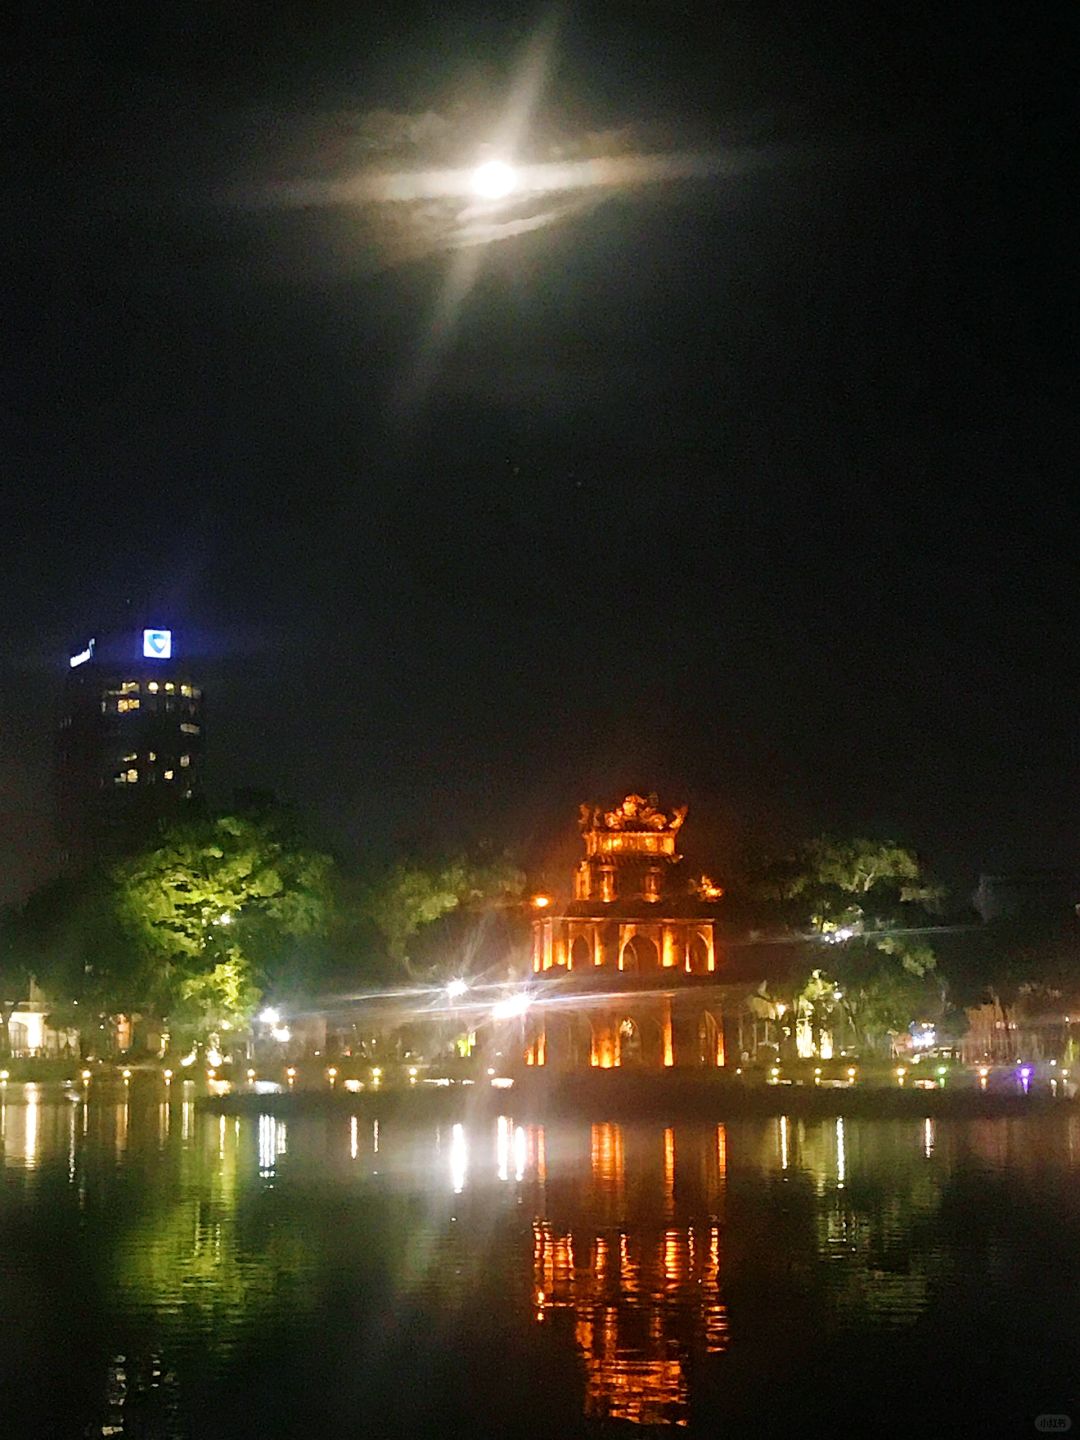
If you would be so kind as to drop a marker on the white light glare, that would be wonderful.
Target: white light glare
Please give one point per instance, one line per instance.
(511, 1007)
(270, 1016)
(282, 1033)
(493, 180)
(457, 988)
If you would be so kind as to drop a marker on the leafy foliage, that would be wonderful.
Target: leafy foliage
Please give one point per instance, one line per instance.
(863, 896)
(411, 896)
(210, 906)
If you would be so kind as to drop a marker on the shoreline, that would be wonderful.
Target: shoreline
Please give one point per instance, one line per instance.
(624, 1099)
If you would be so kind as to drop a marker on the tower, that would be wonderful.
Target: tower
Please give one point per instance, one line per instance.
(633, 936)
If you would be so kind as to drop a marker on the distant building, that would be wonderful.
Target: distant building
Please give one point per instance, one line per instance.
(1027, 894)
(630, 961)
(130, 742)
(29, 1031)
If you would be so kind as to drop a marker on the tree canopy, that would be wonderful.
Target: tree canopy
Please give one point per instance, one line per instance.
(861, 905)
(412, 895)
(210, 907)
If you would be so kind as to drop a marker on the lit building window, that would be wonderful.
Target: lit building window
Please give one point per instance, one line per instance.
(168, 774)
(185, 761)
(122, 706)
(129, 687)
(132, 777)
(128, 758)
(189, 729)
(186, 690)
(153, 687)
(169, 687)
(152, 755)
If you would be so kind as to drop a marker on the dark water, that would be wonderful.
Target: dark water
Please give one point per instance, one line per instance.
(175, 1275)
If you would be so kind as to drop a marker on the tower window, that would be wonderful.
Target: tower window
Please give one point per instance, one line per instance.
(152, 755)
(188, 728)
(153, 687)
(122, 706)
(169, 687)
(186, 690)
(185, 761)
(132, 777)
(168, 774)
(129, 687)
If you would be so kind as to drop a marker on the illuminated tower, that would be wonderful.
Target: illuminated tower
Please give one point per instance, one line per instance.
(130, 743)
(632, 934)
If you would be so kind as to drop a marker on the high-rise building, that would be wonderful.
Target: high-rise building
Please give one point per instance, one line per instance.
(130, 744)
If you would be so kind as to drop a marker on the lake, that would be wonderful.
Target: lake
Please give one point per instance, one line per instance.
(169, 1273)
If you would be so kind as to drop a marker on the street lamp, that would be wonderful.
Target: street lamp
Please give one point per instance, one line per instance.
(456, 989)
(511, 1007)
(493, 180)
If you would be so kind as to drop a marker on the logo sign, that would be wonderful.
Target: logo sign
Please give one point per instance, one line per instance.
(83, 656)
(157, 644)
(1053, 1424)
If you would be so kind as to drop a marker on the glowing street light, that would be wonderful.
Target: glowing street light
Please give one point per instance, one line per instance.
(541, 902)
(511, 1007)
(456, 989)
(270, 1016)
(493, 180)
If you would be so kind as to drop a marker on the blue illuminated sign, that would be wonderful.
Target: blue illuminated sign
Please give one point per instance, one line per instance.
(157, 644)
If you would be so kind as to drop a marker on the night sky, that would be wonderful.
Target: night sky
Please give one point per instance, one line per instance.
(754, 487)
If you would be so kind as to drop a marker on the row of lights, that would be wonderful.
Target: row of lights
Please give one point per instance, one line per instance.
(1024, 1072)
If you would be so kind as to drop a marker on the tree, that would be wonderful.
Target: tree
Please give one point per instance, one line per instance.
(861, 897)
(210, 907)
(412, 896)
(883, 983)
(68, 936)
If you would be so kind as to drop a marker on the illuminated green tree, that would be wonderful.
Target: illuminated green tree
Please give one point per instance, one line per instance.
(212, 906)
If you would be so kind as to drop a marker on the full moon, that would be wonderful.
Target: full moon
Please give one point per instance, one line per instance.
(493, 180)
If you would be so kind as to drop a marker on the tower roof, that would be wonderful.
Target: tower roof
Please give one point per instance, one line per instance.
(634, 829)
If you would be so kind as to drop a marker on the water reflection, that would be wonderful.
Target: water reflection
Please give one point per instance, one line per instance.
(644, 1293)
(273, 1143)
(459, 1158)
(639, 1265)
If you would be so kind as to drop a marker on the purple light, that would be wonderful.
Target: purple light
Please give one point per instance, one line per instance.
(1025, 1072)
